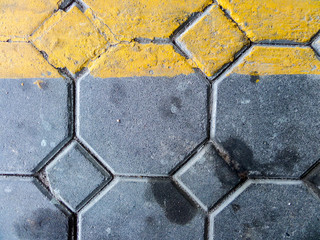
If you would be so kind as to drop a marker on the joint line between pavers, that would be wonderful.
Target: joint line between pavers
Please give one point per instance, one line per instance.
(188, 157)
(229, 17)
(190, 194)
(230, 198)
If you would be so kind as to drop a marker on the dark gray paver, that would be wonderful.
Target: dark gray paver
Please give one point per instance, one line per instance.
(74, 174)
(272, 127)
(316, 44)
(144, 125)
(25, 213)
(314, 176)
(270, 211)
(208, 176)
(142, 209)
(33, 121)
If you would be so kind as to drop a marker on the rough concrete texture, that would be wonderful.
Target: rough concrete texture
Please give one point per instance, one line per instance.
(207, 176)
(145, 125)
(271, 127)
(34, 121)
(74, 175)
(142, 209)
(154, 119)
(27, 214)
(270, 211)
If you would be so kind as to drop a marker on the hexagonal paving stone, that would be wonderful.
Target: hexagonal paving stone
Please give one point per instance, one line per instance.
(212, 41)
(27, 214)
(141, 209)
(69, 39)
(207, 176)
(74, 175)
(145, 19)
(19, 18)
(35, 109)
(143, 125)
(266, 111)
(284, 210)
(288, 21)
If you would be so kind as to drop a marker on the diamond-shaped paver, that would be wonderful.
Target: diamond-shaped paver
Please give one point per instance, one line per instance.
(27, 214)
(266, 111)
(283, 21)
(314, 177)
(207, 176)
(74, 175)
(142, 125)
(145, 19)
(270, 211)
(19, 18)
(212, 41)
(316, 44)
(69, 39)
(141, 209)
(35, 109)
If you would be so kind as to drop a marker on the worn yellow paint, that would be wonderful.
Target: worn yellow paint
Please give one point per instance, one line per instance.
(291, 20)
(38, 83)
(19, 18)
(134, 59)
(69, 39)
(212, 41)
(22, 60)
(130, 19)
(271, 60)
(101, 26)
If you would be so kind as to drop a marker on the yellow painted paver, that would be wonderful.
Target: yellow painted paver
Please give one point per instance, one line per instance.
(272, 60)
(22, 60)
(69, 40)
(212, 41)
(134, 59)
(289, 20)
(19, 18)
(129, 19)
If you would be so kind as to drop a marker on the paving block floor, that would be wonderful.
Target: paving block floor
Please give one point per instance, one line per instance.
(177, 120)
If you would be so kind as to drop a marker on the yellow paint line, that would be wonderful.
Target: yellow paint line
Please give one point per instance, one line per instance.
(134, 59)
(212, 41)
(271, 60)
(22, 60)
(129, 19)
(291, 20)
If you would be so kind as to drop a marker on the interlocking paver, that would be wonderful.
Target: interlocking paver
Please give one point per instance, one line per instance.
(27, 214)
(69, 39)
(212, 41)
(120, 138)
(142, 209)
(208, 176)
(316, 44)
(269, 124)
(143, 18)
(74, 175)
(19, 18)
(270, 211)
(140, 60)
(144, 125)
(282, 21)
(34, 122)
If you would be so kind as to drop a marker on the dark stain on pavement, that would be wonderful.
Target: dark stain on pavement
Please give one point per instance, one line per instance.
(169, 107)
(176, 207)
(287, 158)
(44, 224)
(117, 93)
